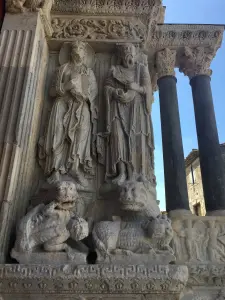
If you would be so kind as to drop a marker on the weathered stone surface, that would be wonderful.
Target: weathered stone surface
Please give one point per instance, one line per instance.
(199, 240)
(23, 60)
(91, 279)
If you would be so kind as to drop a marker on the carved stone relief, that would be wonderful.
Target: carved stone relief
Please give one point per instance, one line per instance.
(128, 132)
(199, 240)
(68, 146)
(24, 6)
(196, 61)
(49, 227)
(98, 29)
(166, 61)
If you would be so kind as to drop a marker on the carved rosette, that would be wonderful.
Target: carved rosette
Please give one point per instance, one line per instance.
(196, 61)
(165, 62)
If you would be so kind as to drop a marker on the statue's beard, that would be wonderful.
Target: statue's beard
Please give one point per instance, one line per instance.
(77, 59)
(129, 61)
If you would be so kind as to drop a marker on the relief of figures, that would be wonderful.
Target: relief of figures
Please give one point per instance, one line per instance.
(128, 95)
(67, 146)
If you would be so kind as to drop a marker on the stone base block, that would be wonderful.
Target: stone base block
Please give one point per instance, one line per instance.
(91, 281)
(133, 258)
(52, 258)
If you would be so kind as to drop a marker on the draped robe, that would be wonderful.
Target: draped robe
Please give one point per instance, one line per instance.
(70, 130)
(129, 122)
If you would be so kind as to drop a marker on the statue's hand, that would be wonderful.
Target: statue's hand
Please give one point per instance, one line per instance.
(134, 86)
(120, 93)
(69, 85)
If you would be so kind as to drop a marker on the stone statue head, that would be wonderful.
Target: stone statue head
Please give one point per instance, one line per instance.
(127, 54)
(67, 195)
(78, 52)
(136, 196)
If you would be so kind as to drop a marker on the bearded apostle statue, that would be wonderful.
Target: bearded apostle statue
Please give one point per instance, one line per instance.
(128, 94)
(66, 147)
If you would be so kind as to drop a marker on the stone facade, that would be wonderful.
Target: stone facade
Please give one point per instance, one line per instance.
(194, 182)
(78, 212)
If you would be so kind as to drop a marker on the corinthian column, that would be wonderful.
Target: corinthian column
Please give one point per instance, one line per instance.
(195, 63)
(173, 155)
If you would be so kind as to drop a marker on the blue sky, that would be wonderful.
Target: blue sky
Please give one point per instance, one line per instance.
(197, 12)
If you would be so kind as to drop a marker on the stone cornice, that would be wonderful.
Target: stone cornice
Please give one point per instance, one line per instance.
(177, 36)
(196, 61)
(165, 62)
(111, 7)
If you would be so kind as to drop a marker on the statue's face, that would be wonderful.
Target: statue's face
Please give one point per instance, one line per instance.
(78, 54)
(67, 195)
(129, 57)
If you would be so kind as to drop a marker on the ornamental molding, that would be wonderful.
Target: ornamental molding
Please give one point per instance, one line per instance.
(111, 7)
(165, 62)
(133, 279)
(98, 29)
(196, 61)
(179, 36)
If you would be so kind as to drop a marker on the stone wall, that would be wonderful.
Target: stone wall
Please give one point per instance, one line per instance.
(194, 183)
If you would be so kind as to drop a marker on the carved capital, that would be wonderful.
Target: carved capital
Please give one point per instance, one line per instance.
(196, 61)
(165, 62)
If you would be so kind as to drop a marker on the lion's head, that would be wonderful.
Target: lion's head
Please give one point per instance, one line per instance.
(66, 195)
(137, 196)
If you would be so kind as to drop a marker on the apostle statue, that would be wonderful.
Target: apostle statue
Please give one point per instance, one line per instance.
(128, 94)
(66, 147)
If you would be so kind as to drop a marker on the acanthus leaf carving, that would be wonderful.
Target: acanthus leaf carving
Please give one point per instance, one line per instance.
(165, 61)
(196, 61)
(97, 29)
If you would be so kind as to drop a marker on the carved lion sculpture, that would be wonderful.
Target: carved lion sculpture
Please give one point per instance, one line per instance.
(118, 237)
(151, 234)
(51, 225)
(137, 196)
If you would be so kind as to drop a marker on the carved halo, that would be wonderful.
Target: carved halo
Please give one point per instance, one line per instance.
(65, 51)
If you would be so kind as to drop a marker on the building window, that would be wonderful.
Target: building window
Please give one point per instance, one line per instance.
(192, 174)
(197, 209)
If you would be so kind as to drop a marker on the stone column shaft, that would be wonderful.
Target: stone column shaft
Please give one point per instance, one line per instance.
(211, 162)
(195, 63)
(174, 167)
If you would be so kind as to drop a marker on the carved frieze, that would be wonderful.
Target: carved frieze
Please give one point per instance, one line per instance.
(176, 36)
(165, 61)
(199, 240)
(130, 279)
(98, 29)
(110, 7)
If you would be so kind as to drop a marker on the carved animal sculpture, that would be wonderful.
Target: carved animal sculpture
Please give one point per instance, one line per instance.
(137, 196)
(113, 237)
(47, 225)
(150, 234)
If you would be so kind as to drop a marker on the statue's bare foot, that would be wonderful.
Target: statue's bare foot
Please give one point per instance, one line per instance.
(119, 179)
(54, 178)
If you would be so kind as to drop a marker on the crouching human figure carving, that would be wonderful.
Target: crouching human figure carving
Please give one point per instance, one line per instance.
(47, 228)
(139, 235)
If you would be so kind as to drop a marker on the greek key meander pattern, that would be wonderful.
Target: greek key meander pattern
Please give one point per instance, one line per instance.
(92, 278)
